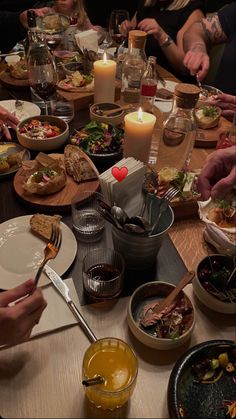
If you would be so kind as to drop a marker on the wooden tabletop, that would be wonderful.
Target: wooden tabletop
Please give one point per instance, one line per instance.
(42, 378)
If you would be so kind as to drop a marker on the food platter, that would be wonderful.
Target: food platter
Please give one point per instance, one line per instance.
(8, 148)
(59, 201)
(7, 80)
(186, 397)
(17, 240)
(63, 85)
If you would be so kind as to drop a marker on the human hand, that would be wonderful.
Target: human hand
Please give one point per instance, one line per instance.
(39, 12)
(17, 321)
(7, 119)
(126, 26)
(218, 177)
(151, 27)
(226, 102)
(198, 62)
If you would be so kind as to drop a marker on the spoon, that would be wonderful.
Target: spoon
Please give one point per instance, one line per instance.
(115, 110)
(134, 228)
(172, 296)
(119, 214)
(108, 217)
(141, 222)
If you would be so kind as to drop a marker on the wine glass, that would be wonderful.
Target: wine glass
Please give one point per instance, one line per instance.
(42, 72)
(116, 18)
(53, 40)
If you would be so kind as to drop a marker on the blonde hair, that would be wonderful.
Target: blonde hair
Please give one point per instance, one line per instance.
(79, 9)
(175, 5)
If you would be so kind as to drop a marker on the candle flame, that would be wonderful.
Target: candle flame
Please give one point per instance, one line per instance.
(140, 115)
(105, 58)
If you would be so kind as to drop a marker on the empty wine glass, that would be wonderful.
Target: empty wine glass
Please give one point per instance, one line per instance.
(116, 19)
(42, 70)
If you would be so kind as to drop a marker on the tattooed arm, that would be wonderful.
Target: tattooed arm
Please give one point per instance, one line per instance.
(197, 38)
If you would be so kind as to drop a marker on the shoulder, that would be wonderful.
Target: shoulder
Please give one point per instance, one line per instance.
(194, 5)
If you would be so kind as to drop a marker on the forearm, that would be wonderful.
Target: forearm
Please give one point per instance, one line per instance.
(195, 38)
(172, 51)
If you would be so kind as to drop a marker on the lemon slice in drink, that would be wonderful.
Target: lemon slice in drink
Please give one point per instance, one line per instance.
(167, 174)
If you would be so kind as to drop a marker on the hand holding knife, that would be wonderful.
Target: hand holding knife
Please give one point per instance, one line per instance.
(63, 289)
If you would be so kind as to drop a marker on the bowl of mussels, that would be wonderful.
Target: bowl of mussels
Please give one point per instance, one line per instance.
(215, 283)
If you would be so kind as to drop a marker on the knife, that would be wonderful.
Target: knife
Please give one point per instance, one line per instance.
(63, 289)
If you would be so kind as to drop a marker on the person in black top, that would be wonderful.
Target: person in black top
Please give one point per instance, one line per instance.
(99, 11)
(13, 21)
(220, 28)
(165, 23)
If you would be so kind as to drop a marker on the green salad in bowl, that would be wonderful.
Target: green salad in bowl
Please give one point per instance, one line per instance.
(99, 140)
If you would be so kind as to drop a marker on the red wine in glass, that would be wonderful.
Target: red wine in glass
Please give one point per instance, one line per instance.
(44, 90)
(53, 42)
(118, 38)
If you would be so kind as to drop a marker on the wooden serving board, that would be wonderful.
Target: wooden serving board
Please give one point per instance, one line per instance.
(208, 138)
(7, 80)
(59, 201)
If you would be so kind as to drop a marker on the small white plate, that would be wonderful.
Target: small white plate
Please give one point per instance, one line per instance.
(21, 252)
(28, 109)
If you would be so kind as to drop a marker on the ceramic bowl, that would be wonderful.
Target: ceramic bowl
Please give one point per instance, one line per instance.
(47, 144)
(211, 91)
(70, 68)
(206, 122)
(97, 109)
(143, 295)
(206, 297)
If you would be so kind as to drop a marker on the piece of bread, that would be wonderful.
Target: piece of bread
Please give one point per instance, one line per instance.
(78, 164)
(41, 224)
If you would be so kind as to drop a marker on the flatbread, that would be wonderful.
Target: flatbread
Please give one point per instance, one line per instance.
(78, 164)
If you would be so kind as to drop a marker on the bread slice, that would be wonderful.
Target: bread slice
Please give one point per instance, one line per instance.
(78, 164)
(41, 224)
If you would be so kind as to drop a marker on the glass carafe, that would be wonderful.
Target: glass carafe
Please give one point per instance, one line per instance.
(179, 130)
(134, 66)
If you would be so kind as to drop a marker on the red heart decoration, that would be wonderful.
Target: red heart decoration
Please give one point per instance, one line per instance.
(119, 174)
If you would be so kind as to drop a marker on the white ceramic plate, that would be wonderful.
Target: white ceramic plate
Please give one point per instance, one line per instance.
(21, 252)
(29, 109)
(170, 85)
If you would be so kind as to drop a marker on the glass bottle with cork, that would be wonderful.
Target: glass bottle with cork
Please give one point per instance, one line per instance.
(149, 84)
(134, 66)
(179, 130)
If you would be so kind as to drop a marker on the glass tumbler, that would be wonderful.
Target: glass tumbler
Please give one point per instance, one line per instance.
(116, 362)
(103, 274)
(87, 221)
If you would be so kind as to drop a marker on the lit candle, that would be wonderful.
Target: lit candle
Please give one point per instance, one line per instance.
(139, 128)
(104, 80)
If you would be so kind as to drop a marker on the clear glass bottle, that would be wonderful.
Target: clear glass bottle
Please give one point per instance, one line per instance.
(149, 84)
(42, 69)
(134, 66)
(179, 129)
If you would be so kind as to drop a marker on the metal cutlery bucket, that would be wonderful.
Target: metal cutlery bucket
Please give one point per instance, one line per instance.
(140, 252)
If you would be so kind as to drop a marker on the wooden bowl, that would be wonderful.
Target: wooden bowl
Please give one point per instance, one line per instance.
(47, 144)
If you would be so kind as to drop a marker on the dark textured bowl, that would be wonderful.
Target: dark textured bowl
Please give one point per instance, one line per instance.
(115, 119)
(187, 399)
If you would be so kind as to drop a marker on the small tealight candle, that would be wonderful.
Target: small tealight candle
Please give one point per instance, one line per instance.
(104, 80)
(139, 128)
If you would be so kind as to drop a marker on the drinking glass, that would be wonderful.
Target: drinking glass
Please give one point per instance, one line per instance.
(53, 41)
(115, 361)
(42, 71)
(116, 18)
(103, 274)
(87, 221)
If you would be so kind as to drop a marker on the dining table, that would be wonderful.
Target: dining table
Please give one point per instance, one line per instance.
(42, 377)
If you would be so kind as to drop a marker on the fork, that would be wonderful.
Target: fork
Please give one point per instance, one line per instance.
(50, 251)
(170, 193)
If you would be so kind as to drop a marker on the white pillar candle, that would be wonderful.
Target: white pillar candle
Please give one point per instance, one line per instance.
(104, 80)
(139, 128)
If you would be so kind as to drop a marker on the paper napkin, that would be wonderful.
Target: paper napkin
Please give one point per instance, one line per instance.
(87, 39)
(127, 193)
(57, 314)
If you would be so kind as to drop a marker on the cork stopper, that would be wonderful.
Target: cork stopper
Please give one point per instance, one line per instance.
(186, 95)
(137, 39)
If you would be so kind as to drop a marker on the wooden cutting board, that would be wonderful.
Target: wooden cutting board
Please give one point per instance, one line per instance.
(7, 80)
(59, 201)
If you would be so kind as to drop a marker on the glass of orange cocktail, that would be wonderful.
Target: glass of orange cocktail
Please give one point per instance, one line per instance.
(116, 362)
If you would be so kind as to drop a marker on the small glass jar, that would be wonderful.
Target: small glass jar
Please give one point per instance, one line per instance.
(179, 130)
